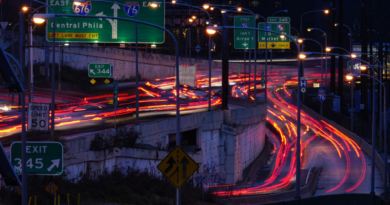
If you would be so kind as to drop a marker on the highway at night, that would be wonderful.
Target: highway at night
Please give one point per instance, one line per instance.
(345, 166)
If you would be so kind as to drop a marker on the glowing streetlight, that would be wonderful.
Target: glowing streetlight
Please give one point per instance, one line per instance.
(349, 77)
(40, 18)
(211, 31)
(154, 5)
(206, 6)
(212, 8)
(239, 9)
(326, 11)
(77, 3)
(25, 8)
(194, 17)
(328, 49)
(300, 40)
(302, 56)
(173, 2)
(223, 11)
(363, 67)
(353, 55)
(190, 20)
(282, 36)
(309, 29)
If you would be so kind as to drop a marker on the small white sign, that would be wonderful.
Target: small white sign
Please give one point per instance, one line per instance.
(38, 116)
(303, 90)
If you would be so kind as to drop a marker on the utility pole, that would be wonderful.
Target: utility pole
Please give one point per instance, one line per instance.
(340, 87)
(225, 63)
(21, 61)
(333, 43)
(30, 61)
(364, 57)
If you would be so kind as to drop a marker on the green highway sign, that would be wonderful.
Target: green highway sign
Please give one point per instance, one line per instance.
(105, 30)
(243, 37)
(43, 158)
(275, 41)
(349, 65)
(278, 19)
(100, 70)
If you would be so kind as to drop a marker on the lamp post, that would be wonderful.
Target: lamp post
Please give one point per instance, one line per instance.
(212, 30)
(326, 11)
(352, 81)
(38, 20)
(326, 55)
(349, 34)
(301, 40)
(372, 118)
(350, 77)
(24, 154)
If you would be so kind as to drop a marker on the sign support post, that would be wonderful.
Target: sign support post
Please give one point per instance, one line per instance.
(115, 100)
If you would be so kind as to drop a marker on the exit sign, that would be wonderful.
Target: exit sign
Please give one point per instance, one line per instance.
(43, 158)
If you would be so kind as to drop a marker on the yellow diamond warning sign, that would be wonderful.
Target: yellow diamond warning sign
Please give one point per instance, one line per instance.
(177, 166)
(107, 81)
(93, 81)
(51, 188)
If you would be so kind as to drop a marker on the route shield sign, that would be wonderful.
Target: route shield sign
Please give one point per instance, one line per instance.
(243, 37)
(100, 70)
(43, 158)
(105, 30)
(177, 166)
(274, 40)
(321, 95)
(38, 116)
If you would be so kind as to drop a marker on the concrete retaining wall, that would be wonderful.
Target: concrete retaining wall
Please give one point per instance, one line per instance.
(229, 140)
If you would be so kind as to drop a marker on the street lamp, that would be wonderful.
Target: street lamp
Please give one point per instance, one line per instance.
(190, 20)
(41, 18)
(211, 31)
(194, 17)
(349, 76)
(24, 8)
(325, 11)
(239, 9)
(206, 6)
(349, 34)
(327, 50)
